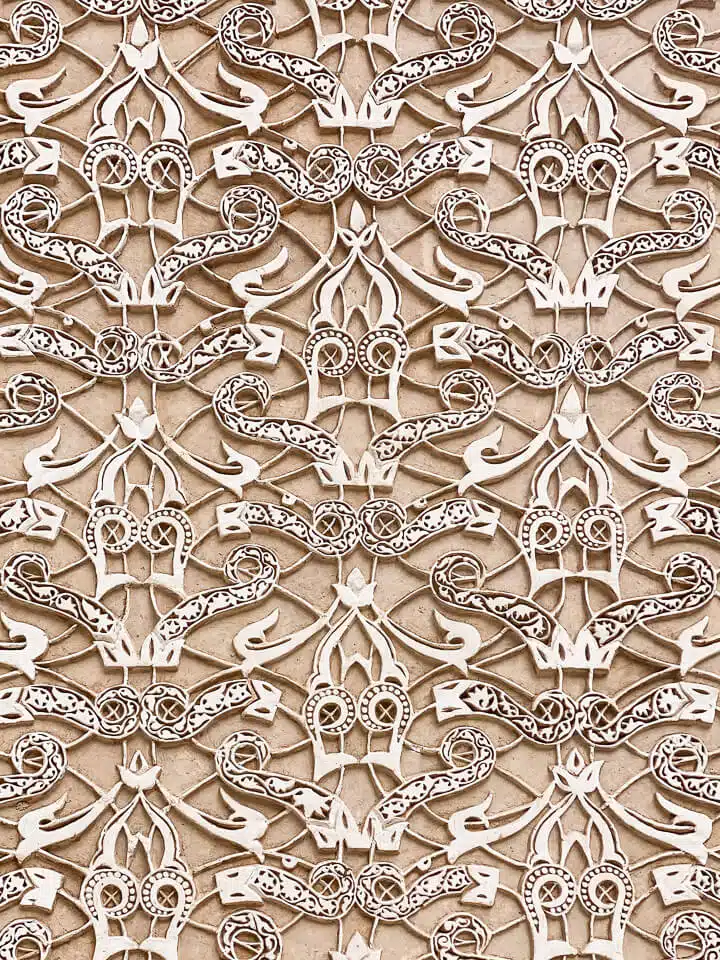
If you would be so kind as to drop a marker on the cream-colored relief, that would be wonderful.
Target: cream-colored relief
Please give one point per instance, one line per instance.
(360, 506)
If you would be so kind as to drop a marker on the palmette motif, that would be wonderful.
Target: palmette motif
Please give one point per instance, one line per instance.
(359, 503)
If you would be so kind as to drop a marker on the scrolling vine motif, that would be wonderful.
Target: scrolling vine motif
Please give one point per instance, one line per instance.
(360, 515)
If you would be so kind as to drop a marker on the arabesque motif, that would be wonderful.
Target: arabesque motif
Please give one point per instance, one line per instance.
(360, 504)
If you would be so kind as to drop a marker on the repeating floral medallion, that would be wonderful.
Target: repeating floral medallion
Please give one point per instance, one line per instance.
(360, 479)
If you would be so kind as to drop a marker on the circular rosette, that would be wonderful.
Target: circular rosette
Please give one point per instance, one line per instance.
(382, 352)
(249, 935)
(119, 711)
(600, 528)
(33, 402)
(110, 164)
(166, 893)
(384, 707)
(460, 936)
(606, 890)
(547, 165)
(330, 352)
(111, 528)
(544, 530)
(330, 712)
(548, 889)
(110, 893)
(25, 938)
(165, 168)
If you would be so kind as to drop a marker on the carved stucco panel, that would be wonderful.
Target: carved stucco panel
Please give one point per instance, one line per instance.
(360, 523)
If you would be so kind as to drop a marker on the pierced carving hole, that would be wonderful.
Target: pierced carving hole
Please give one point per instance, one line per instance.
(321, 169)
(111, 170)
(243, 215)
(28, 949)
(246, 569)
(330, 354)
(28, 396)
(30, 27)
(546, 533)
(36, 216)
(167, 897)
(245, 755)
(606, 893)
(597, 356)
(327, 885)
(247, 945)
(33, 570)
(111, 896)
(681, 214)
(469, 215)
(683, 34)
(387, 889)
(244, 398)
(386, 524)
(382, 169)
(462, 753)
(551, 892)
(599, 176)
(114, 531)
(386, 711)
(161, 535)
(33, 760)
(166, 174)
(168, 709)
(112, 710)
(382, 355)
(685, 759)
(549, 710)
(330, 713)
(463, 31)
(163, 353)
(681, 397)
(546, 354)
(111, 348)
(689, 945)
(461, 395)
(550, 171)
(465, 942)
(330, 526)
(600, 531)
(684, 577)
(465, 575)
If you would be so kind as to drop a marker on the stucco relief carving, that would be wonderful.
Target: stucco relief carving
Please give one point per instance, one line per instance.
(360, 519)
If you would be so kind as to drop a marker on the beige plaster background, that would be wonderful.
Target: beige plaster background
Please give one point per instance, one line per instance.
(626, 457)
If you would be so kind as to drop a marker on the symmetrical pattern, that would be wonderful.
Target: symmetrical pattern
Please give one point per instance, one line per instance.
(360, 506)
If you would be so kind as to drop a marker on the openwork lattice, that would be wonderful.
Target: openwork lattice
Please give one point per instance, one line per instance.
(360, 515)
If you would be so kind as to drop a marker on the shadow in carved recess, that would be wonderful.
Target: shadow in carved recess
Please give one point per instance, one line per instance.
(360, 515)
